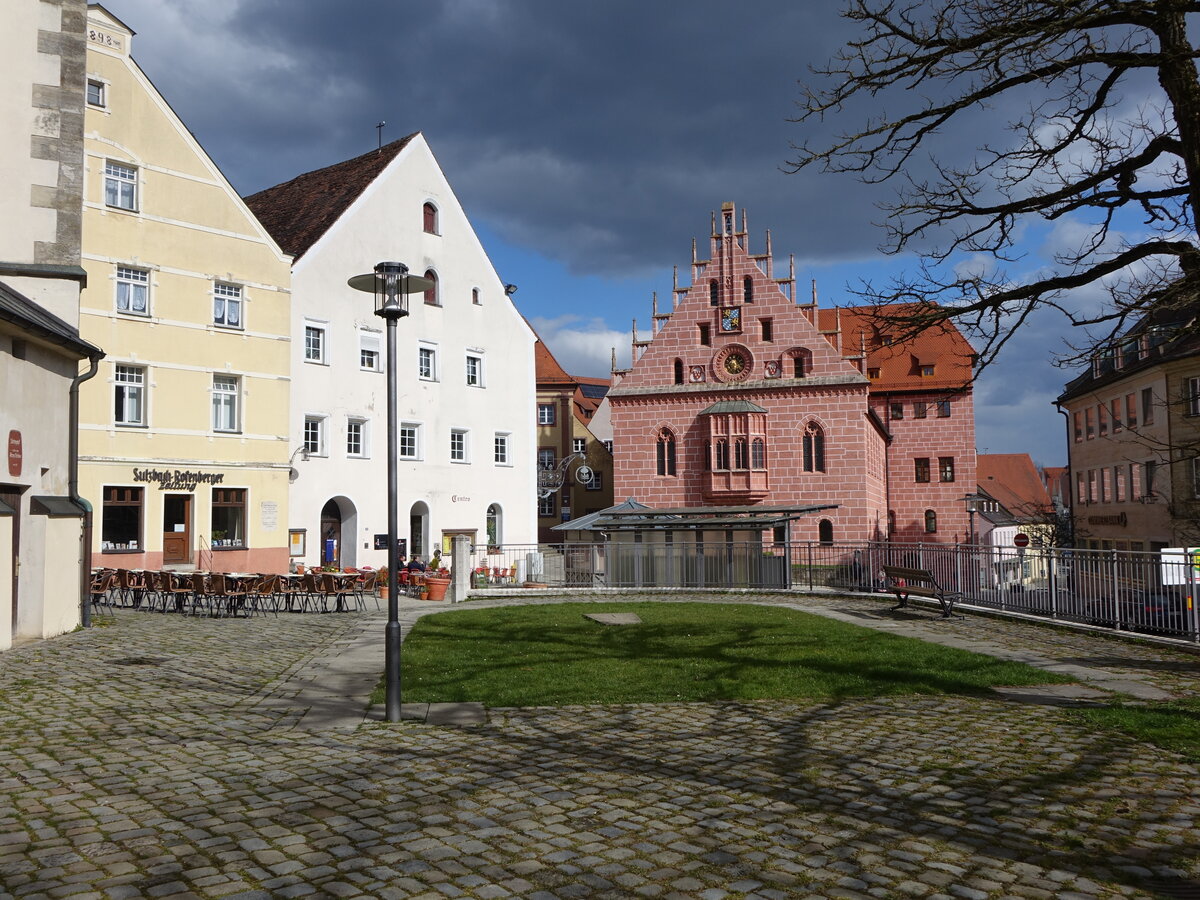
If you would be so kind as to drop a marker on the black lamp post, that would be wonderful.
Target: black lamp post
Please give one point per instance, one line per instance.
(974, 504)
(391, 284)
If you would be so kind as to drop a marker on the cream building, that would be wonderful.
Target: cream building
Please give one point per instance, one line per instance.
(465, 376)
(184, 433)
(43, 569)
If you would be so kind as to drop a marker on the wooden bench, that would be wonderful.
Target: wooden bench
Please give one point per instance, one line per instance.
(903, 582)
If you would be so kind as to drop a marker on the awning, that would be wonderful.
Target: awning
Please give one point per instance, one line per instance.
(55, 507)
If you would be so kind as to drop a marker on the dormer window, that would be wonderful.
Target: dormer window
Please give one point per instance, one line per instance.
(429, 215)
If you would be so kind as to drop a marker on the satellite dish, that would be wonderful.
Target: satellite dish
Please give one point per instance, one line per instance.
(583, 475)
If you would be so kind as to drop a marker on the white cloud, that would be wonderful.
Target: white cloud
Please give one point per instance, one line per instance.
(584, 346)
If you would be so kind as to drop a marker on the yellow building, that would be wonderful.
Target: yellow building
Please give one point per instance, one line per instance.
(184, 450)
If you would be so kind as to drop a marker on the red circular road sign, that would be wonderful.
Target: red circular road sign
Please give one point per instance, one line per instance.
(1021, 539)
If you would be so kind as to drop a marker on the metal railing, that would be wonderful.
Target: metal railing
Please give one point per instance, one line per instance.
(1143, 592)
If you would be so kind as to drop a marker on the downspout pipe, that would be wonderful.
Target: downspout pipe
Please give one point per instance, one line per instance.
(85, 570)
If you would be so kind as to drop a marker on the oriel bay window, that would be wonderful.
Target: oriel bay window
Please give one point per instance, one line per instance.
(121, 519)
(228, 518)
(736, 451)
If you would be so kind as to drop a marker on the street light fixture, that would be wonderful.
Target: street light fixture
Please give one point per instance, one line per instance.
(975, 503)
(391, 284)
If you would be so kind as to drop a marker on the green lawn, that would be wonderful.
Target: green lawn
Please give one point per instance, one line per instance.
(551, 655)
(1173, 725)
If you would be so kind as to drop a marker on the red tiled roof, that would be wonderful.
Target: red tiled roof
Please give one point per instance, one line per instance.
(549, 372)
(1013, 480)
(899, 364)
(298, 212)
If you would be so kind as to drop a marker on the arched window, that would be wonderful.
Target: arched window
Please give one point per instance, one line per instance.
(475, 296)
(431, 295)
(825, 532)
(891, 522)
(679, 371)
(814, 448)
(666, 452)
(758, 454)
(740, 460)
(430, 218)
(722, 458)
(495, 522)
(748, 289)
(930, 521)
(714, 293)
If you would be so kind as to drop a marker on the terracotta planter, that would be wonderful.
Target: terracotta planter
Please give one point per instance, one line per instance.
(437, 587)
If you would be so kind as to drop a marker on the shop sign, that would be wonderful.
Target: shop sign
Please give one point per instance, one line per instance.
(177, 479)
(1120, 520)
(15, 454)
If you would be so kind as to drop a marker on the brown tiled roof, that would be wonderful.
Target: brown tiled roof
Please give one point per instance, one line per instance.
(942, 346)
(549, 372)
(1013, 480)
(298, 212)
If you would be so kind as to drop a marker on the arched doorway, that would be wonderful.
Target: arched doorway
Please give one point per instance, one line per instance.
(495, 526)
(339, 521)
(418, 530)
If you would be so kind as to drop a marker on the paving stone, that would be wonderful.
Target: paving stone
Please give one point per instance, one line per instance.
(174, 780)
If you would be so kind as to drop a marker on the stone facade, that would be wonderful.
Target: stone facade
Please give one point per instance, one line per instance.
(832, 402)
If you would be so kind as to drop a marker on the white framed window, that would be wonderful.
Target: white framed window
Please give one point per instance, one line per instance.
(546, 458)
(427, 363)
(459, 445)
(409, 440)
(545, 413)
(597, 482)
(129, 395)
(546, 507)
(314, 435)
(97, 93)
(120, 186)
(225, 391)
(369, 357)
(474, 370)
(314, 343)
(1191, 396)
(356, 438)
(227, 305)
(133, 291)
(578, 445)
(502, 453)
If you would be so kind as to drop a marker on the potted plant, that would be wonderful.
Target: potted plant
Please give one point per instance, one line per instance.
(381, 583)
(437, 582)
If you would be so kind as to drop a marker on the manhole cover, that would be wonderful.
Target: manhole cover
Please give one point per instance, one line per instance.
(614, 618)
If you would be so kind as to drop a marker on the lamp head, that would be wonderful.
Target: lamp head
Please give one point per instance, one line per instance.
(391, 284)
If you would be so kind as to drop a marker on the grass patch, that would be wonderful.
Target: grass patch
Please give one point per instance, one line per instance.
(1172, 725)
(551, 655)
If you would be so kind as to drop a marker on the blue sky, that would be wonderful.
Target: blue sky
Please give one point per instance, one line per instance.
(588, 143)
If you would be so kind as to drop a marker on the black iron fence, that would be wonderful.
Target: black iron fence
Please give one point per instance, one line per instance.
(1145, 592)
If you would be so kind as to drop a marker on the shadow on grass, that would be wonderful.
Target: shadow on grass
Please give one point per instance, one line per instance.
(552, 655)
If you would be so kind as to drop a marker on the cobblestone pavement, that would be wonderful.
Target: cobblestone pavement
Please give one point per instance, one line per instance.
(157, 756)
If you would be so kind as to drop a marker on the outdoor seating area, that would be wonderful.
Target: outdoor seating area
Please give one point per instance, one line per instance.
(222, 594)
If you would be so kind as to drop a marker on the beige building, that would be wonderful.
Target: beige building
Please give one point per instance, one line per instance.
(184, 433)
(565, 406)
(43, 570)
(1133, 436)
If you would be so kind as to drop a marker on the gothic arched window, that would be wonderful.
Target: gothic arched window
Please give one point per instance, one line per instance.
(666, 452)
(814, 448)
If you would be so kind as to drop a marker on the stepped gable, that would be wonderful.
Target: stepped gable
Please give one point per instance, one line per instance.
(1013, 481)
(734, 278)
(297, 213)
(865, 329)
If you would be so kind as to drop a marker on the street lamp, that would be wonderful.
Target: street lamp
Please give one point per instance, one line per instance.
(391, 284)
(975, 503)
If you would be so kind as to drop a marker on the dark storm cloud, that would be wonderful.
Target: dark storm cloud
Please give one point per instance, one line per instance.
(599, 134)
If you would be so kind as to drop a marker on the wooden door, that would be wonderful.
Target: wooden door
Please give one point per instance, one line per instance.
(177, 528)
(11, 495)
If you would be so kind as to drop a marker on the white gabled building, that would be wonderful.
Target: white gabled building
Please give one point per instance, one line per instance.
(465, 363)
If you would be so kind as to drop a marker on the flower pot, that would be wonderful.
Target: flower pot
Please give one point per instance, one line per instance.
(437, 587)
